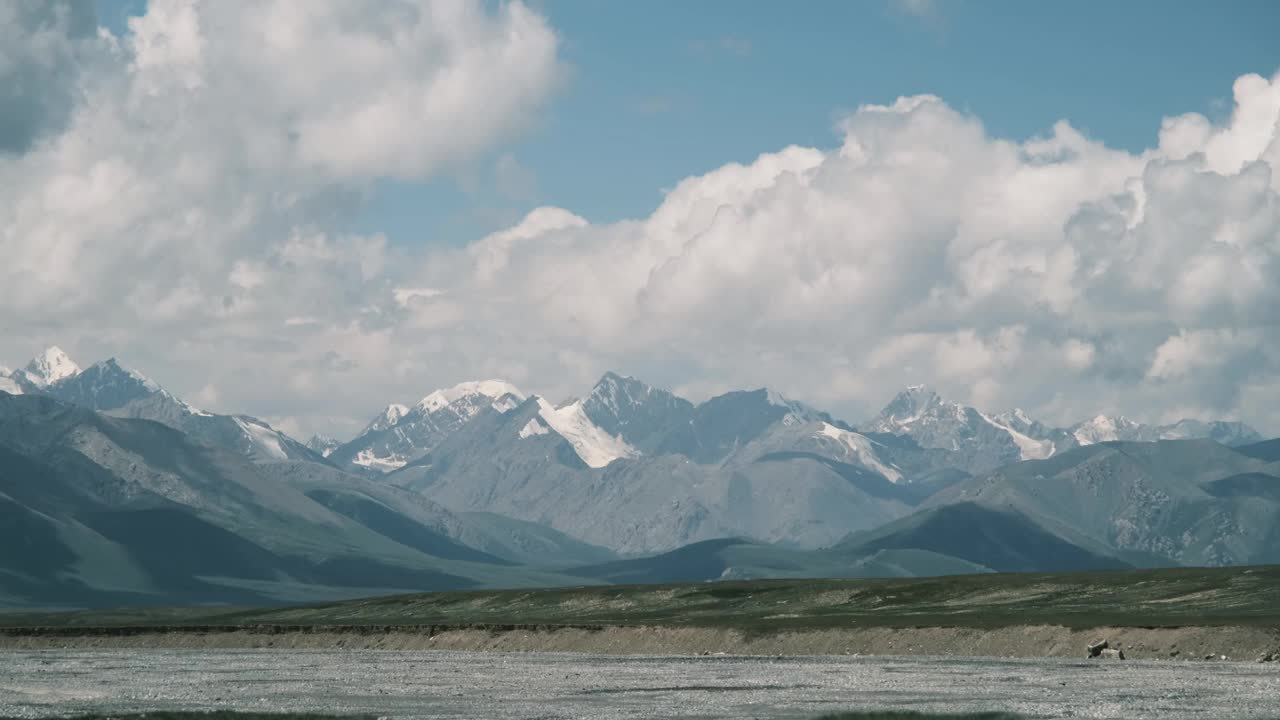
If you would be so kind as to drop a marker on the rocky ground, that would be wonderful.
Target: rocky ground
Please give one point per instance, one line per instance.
(1027, 641)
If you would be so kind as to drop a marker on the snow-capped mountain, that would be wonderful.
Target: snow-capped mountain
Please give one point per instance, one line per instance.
(979, 441)
(401, 434)
(1109, 429)
(638, 413)
(323, 444)
(392, 415)
(1231, 433)
(595, 446)
(113, 388)
(47, 368)
(636, 469)
(856, 448)
(107, 386)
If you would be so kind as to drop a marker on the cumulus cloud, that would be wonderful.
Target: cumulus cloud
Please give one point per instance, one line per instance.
(181, 209)
(1053, 273)
(172, 194)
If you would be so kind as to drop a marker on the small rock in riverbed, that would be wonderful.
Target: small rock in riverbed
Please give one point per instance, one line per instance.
(1095, 649)
(1111, 654)
(1266, 657)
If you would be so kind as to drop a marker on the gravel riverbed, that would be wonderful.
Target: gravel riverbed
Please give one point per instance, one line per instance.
(547, 686)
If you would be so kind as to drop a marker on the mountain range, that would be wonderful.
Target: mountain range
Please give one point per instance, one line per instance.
(120, 492)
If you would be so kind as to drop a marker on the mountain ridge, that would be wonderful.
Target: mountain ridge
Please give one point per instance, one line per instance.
(479, 480)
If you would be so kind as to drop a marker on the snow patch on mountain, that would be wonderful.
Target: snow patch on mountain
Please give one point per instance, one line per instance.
(596, 447)
(506, 403)
(1104, 429)
(533, 428)
(861, 447)
(1030, 448)
(8, 385)
(496, 389)
(263, 437)
(193, 409)
(367, 458)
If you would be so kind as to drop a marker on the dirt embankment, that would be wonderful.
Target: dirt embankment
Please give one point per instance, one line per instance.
(1187, 643)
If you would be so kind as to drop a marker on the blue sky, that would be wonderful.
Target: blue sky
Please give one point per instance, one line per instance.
(659, 91)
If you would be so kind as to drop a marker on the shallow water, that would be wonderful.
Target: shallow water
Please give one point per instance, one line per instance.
(560, 686)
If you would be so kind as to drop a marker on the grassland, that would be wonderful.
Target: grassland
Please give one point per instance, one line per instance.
(1166, 598)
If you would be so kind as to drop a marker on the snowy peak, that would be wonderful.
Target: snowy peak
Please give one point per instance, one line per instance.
(108, 385)
(399, 434)
(1018, 420)
(49, 367)
(615, 392)
(910, 404)
(494, 390)
(112, 367)
(389, 417)
(919, 406)
(1109, 429)
(1106, 429)
(979, 441)
(983, 442)
(595, 446)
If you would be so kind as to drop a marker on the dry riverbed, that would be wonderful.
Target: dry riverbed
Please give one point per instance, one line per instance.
(1186, 643)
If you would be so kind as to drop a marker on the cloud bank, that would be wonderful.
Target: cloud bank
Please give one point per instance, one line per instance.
(180, 200)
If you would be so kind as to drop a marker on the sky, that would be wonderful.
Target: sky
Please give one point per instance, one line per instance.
(307, 210)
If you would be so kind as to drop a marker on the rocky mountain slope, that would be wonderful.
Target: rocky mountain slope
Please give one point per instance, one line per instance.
(1171, 502)
(749, 464)
(104, 510)
(112, 388)
(978, 441)
(479, 483)
(401, 434)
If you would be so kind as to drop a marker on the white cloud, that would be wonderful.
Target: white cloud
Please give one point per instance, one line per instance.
(1054, 273)
(178, 204)
(180, 207)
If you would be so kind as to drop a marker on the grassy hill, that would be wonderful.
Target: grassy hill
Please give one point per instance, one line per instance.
(1134, 598)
